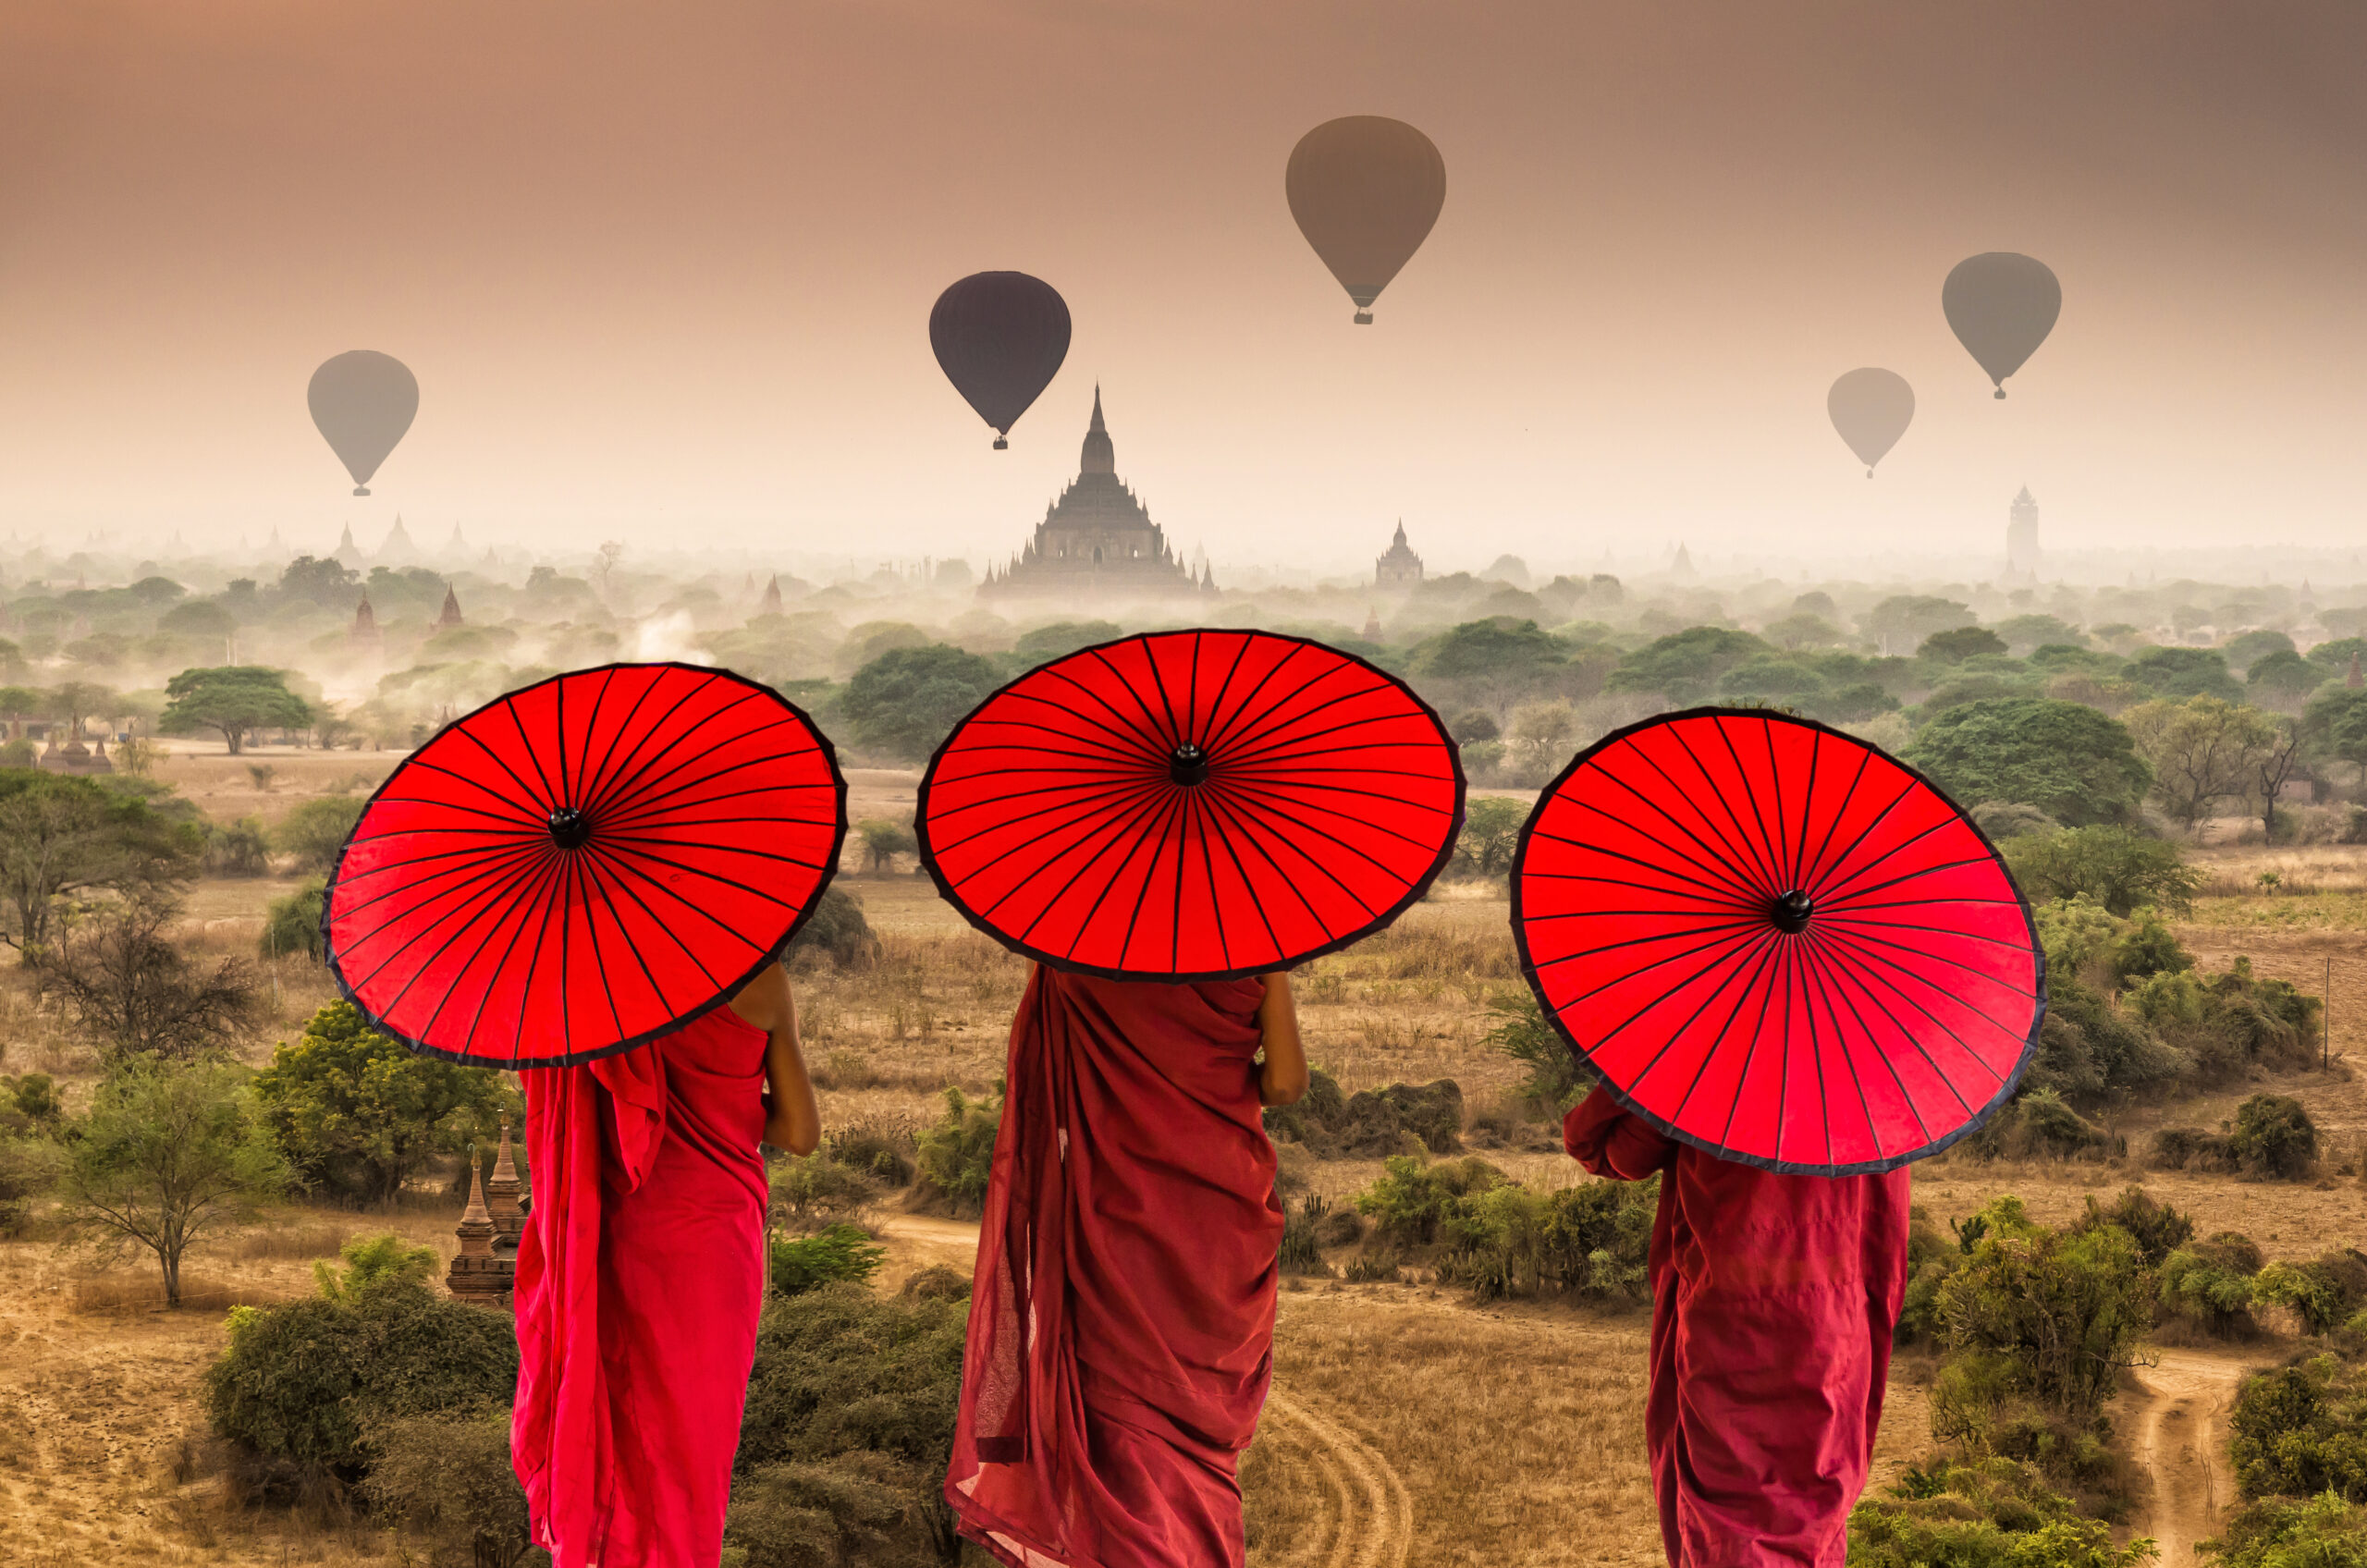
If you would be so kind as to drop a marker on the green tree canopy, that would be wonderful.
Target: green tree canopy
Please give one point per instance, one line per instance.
(2184, 672)
(1959, 643)
(359, 1113)
(2283, 679)
(1044, 643)
(2024, 634)
(199, 618)
(2074, 764)
(2202, 751)
(2245, 650)
(61, 834)
(1903, 621)
(232, 699)
(322, 581)
(906, 701)
(1684, 665)
(316, 830)
(2110, 866)
(1490, 649)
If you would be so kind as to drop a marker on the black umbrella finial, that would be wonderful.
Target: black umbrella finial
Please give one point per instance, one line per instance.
(571, 829)
(1791, 911)
(1188, 765)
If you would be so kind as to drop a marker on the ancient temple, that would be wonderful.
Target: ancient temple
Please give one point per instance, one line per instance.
(451, 616)
(364, 634)
(1097, 540)
(348, 553)
(485, 1270)
(1398, 566)
(770, 603)
(2021, 538)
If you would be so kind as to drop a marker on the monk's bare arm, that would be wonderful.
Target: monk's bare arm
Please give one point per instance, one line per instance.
(1283, 1078)
(792, 1120)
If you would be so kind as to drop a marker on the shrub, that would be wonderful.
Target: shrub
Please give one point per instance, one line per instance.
(879, 1150)
(839, 932)
(2210, 1284)
(2060, 1310)
(806, 1187)
(2113, 867)
(842, 1253)
(955, 1158)
(447, 1478)
(849, 1509)
(2273, 1136)
(2324, 1292)
(239, 849)
(316, 830)
(1411, 1200)
(374, 1261)
(292, 925)
(134, 986)
(2299, 1431)
(1550, 1080)
(2156, 1227)
(2275, 1532)
(1994, 1514)
(1300, 1252)
(1491, 828)
(307, 1381)
(1394, 1119)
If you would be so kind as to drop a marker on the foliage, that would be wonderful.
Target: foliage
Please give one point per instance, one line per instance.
(2209, 1283)
(841, 1252)
(2156, 1227)
(884, 840)
(446, 1478)
(2324, 1292)
(2322, 1532)
(2273, 1136)
(850, 1393)
(1300, 1249)
(135, 989)
(956, 1154)
(1683, 667)
(2301, 1431)
(907, 700)
(1414, 1198)
(2111, 865)
(170, 1154)
(1961, 644)
(1593, 1240)
(2202, 751)
(1394, 1119)
(371, 1260)
(316, 830)
(1499, 648)
(1490, 837)
(311, 1381)
(62, 836)
(359, 1113)
(2057, 1312)
(232, 699)
(2078, 765)
(241, 849)
(291, 923)
(837, 931)
(2178, 674)
(1043, 644)
(1986, 1513)
(1551, 1079)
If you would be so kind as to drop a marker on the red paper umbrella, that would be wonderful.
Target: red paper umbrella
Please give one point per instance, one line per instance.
(1776, 943)
(579, 867)
(1191, 805)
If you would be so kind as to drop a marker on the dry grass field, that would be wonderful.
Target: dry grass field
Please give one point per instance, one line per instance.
(1408, 1427)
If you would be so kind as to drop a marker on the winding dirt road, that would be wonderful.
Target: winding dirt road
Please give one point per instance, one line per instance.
(2180, 1435)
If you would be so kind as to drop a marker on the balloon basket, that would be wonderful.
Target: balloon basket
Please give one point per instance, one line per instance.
(1001, 444)
(1363, 318)
(364, 489)
(2001, 394)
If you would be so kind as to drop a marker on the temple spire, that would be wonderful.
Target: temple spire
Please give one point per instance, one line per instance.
(1099, 455)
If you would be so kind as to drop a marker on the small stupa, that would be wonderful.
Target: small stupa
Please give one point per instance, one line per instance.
(477, 1275)
(451, 616)
(508, 1214)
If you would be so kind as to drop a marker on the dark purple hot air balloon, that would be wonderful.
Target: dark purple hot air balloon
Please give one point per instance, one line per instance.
(1000, 338)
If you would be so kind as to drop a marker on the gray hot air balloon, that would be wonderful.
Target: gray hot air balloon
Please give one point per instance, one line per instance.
(1871, 409)
(1365, 191)
(2001, 305)
(363, 402)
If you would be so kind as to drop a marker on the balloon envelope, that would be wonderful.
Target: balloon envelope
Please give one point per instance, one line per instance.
(1000, 338)
(1871, 408)
(1365, 190)
(362, 401)
(2001, 305)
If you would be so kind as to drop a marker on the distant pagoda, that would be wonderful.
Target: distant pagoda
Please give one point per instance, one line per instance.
(1398, 566)
(1097, 540)
(2021, 538)
(451, 616)
(485, 1270)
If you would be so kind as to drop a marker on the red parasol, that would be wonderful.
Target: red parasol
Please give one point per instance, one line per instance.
(1776, 943)
(1191, 805)
(583, 865)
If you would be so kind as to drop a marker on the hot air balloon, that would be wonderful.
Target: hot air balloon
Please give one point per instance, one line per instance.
(1871, 409)
(362, 401)
(2001, 305)
(1000, 338)
(1365, 190)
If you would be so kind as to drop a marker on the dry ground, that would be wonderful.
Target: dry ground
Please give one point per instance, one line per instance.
(1408, 1426)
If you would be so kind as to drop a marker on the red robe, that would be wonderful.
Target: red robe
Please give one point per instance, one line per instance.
(1123, 1321)
(1773, 1297)
(640, 1276)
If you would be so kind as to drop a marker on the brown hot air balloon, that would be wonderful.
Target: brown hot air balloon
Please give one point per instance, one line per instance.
(1365, 190)
(1871, 408)
(2001, 305)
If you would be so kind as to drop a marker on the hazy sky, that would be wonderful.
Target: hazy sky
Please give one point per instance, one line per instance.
(664, 271)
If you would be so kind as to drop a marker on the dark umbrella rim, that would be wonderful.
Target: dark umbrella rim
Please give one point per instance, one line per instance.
(1785, 1167)
(1388, 917)
(573, 1059)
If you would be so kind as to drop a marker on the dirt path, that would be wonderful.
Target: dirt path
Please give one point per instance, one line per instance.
(2180, 1435)
(1372, 1522)
(916, 1241)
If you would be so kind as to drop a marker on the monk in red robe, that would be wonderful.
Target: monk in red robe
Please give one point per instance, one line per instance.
(640, 1276)
(1773, 1297)
(1122, 1325)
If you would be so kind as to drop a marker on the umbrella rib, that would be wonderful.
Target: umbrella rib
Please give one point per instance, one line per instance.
(1856, 920)
(525, 988)
(1829, 983)
(1913, 1039)
(1738, 935)
(474, 851)
(522, 854)
(1751, 1054)
(1718, 874)
(1241, 825)
(1720, 860)
(1807, 797)
(1839, 861)
(1726, 891)
(1755, 849)
(1222, 732)
(1119, 720)
(509, 706)
(582, 872)
(1766, 955)
(1224, 688)
(1611, 882)
(463, 906)
(593, 869)
(1901, 992)
(1816, 1054)
(1170, 741)
(1271, 794)
(1166, 703)
(1141, 839)
(1372, 861)
(1773, 847)
(525, 788)
(520, 890)
(1932, 870)
(617, 870)
(781, 789)
(515, 824)
(1209, 871)
(591, 727)
(1273, 937)
(1856, 911)
(1110, 760)
(1142, 895)
(645, 839)
(629, 790)
(430, 765)
(1899, 848)
(1734, 964)
(1865, 941)
(1132, 743)
(1280, 726)
(1109, 840)
(1087, 808)
(600, 779)
(699, 872)
(683, 786)
(1814, 867)
(1080, 791)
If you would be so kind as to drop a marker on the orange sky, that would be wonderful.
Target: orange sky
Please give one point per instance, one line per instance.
(664, 272)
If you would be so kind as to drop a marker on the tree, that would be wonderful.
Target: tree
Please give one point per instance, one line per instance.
(324, 581)
(2110, 866)
(1491, 826)
(1537, 740)
(2334, 724)
(61, 836)
(232, 699)
(883, 840)
(1959, 643)
(131, 984)
(2025, 634)
(292, 925)
(2078, 765)
(1906, 620)
(2184, 672)
(170, 1153)
(1490, 649)
(907, 700)
(316, 830)
(1046, 643)
(2244, 652)
(76, 701)
(1684, 666)
(2058, 1314)
(2283, 680)
(2272, 766)
(2201, 751)
(359, 1113)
